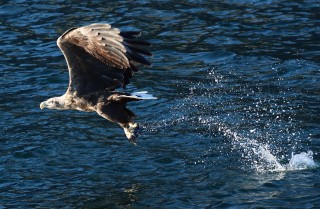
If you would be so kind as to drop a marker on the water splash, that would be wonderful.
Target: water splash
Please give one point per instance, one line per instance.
(257, 120)
(256, 114)
(260, 158)
(301, 161)
(256, 155)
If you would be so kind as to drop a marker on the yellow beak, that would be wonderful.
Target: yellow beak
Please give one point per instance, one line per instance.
(42, 105)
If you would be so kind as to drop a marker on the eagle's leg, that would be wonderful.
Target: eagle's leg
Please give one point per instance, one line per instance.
(118, 113)
(131, 130)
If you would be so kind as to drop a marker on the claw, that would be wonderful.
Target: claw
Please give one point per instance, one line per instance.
(132, 131)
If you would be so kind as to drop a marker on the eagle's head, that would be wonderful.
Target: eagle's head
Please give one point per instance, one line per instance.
(53, 103)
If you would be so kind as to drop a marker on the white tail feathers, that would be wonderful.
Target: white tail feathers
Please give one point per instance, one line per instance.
(143, 95)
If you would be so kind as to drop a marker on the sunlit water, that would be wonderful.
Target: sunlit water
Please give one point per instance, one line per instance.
(235, 125)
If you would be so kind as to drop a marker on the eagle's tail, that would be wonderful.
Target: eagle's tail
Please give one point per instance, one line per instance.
(143, 95)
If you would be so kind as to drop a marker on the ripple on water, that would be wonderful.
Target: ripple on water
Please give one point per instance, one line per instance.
(238, 98)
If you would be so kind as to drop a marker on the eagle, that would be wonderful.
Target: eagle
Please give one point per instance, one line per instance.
(102, 59)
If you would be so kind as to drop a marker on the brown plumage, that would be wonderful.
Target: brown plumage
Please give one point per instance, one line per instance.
(100, 59)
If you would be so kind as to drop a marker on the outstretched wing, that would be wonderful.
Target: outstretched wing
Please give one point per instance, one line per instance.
(101, 57)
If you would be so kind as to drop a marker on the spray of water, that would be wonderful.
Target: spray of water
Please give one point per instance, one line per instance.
(256, 120)
(256, 154)
(258, 125)
(260, 157)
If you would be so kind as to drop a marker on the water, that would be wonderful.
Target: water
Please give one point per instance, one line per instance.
(235, 125)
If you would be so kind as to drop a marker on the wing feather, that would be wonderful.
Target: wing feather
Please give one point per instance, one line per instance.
(130, 34)
(101, 57)
(137, 57)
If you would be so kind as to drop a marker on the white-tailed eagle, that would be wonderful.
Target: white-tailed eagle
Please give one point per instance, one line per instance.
(101, 59)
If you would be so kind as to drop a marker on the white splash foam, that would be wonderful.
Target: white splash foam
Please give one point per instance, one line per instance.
(301, 161)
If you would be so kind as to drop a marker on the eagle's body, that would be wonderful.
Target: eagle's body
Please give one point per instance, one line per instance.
(100, 59)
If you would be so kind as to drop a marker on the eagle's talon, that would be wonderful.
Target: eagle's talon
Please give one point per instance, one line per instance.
(132, 131)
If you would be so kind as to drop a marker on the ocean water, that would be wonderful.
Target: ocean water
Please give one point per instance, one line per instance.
(236, 123)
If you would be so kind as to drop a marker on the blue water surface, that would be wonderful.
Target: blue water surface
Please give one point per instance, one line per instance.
(236, 123)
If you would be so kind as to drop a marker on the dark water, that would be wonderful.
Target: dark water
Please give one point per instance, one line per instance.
(236, 125)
